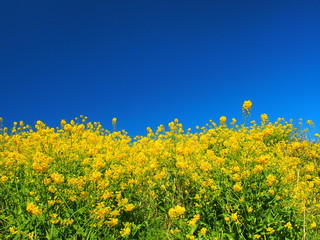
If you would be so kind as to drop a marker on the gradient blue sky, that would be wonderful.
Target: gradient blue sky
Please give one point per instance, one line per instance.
(148, 62)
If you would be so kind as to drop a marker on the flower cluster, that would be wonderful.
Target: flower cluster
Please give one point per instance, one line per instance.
(249, 181)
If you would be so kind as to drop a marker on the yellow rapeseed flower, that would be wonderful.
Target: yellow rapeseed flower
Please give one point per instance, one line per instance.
(270, 230)
(67, 127)
(194, 220)
(310, 168)
(176, 212)
(188, 236)
(125, 232)
(258, 168)
(3, 178)
(12, 230)
(237, 187)
(288, 225)
(203, 231)
(223, 120)
(129, 207)
(234, 216)
(33, 209)
(175, 230)
(57, 177)
(271, 179)
(67, 222)
(271, 191)
(63, 122)
(113, 222)
(114, 121)
(247, 105)
(264, 117)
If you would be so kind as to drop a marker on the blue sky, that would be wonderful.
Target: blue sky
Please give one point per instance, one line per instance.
(148, 62)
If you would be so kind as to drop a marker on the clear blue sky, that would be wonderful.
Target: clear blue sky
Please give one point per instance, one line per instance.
(148, 62)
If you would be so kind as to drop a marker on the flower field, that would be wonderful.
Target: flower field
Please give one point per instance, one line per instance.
(225, 181)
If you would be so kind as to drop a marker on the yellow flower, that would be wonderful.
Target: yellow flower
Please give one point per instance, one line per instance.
(236, 169)
(271, 179)
(33, 209)
(203, 231)
(125, 232)
(257, 168)
(247, 105)
(237, 187)
(115, 213)
(96, 175)
(310, 168)
(271, 191)
(190, 237)
(12, 230)
(63, 122)
(113, 222)
(52, 189)
(57, 177)
(175, 230)
(114, 121)
(223, 120)
(288, 225)
(234, 216)
(80, 128)
(236, 177)
(176, 212)
(67, 127)
(67, 222)
(4, 178)
(129, 207)
(270, 230)
(264, 117)
(309, 122)
(313, 225)
(46, 181)
(194, 220)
